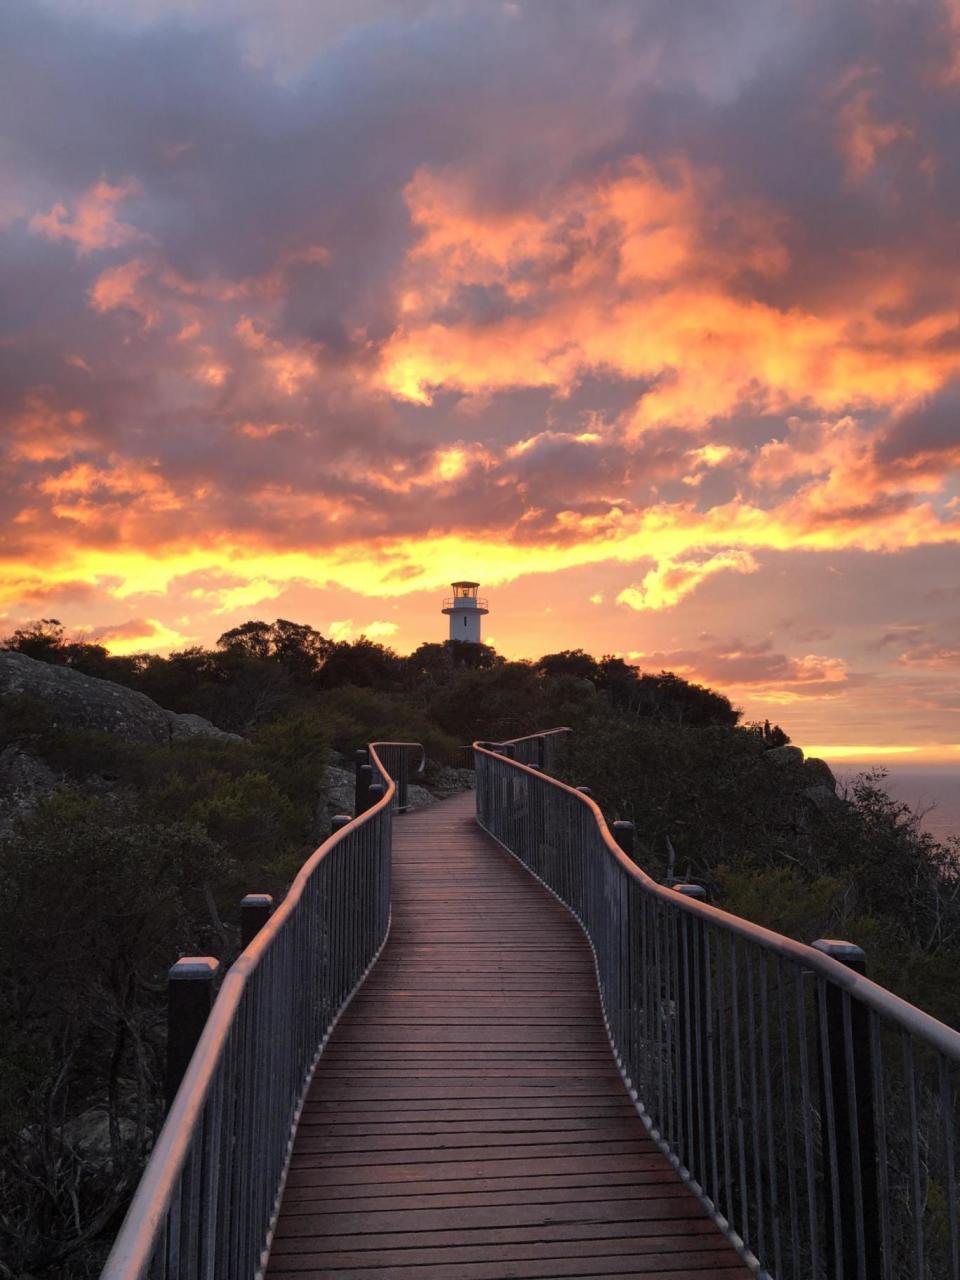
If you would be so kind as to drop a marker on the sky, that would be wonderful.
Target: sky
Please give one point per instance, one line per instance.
(645, 316)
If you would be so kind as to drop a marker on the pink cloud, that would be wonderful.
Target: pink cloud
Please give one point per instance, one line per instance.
(93, 223)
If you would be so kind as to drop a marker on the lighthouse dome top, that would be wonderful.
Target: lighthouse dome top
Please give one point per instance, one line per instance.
(465, 584)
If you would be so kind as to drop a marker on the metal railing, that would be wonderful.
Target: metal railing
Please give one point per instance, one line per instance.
(464, 602)
(540, 750)
(813, 1112)
(398, 759)
(205, 1206)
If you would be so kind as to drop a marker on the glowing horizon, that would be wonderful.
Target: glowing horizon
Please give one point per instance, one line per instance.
(662, 353)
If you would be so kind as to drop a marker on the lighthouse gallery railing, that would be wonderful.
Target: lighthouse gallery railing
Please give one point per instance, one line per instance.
(205, 1206)
(813, 1112)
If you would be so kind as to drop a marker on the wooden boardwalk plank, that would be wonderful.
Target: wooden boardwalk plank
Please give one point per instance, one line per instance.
(467, 1121)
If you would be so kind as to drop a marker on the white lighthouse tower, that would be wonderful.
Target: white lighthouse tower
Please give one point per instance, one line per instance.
(465, 611)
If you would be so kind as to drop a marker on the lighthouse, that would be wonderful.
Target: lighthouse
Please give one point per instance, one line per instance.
(465, 611)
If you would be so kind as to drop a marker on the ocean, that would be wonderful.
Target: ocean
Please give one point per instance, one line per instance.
(931, 788)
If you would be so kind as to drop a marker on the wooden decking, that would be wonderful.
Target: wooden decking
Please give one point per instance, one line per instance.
(467, 1121)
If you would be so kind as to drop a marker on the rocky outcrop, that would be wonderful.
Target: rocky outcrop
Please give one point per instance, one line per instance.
(818, 773)
(77, 701)
(184, 724)
(72, 700)
(783, 757)
(820, 789)
(23, 779)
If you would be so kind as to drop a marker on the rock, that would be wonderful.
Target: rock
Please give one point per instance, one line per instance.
(77, 701)
(419, 797)
(783, 756)
(819, 773)
(23, 780)
(341, 783)
(185, 724)
(446, 781)
(341, 792)
(823, 798)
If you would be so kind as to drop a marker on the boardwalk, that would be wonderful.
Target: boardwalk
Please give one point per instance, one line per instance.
(467, 1121)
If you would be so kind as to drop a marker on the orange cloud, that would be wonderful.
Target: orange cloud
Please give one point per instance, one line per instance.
(93, 224)
(861, 135)
(673, 579)
(136, 636)
(43, 433)
(630, 276)
(119, 288)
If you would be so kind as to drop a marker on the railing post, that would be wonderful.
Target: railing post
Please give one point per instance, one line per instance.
(361, 802)
(190, 991)
(586, 791)
(851, 1147)
(339, 821)
(692, 1029)
(625, 834)
(255, 911)
(401, 780)
(541, 753)
(375, 793)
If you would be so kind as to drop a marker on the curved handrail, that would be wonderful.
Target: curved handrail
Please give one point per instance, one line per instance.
(914, 1020)
(394, 757)
(534, 748)
(814, 1112)
(141, 1235)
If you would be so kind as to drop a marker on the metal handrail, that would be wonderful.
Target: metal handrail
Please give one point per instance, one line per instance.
(538, 749)
(814, 1112)
(207, 1201)
(396, 758)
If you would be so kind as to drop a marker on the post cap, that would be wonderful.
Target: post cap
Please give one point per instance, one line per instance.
(586, 791)
(194, 969)
(339, 820)
(691, 891)
(257, 900)
(847, 953)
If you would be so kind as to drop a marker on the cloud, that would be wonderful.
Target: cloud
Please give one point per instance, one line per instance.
(672, 580)
(755, 667)
(377, 630)
(590, 293)
(138, 635)
(93, 224)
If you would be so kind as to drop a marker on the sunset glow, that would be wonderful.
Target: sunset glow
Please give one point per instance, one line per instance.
(583, 302)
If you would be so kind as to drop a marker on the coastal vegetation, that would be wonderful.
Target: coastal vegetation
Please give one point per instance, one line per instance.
(123, 854)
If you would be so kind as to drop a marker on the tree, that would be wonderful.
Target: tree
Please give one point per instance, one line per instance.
(94, 899)
(619, 681)
(298, 648)
(669, 697)
(568, 662)
(363, 663)
(43, 640)
(437, 661)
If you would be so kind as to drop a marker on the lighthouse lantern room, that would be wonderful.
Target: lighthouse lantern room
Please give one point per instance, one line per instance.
(465, 610)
